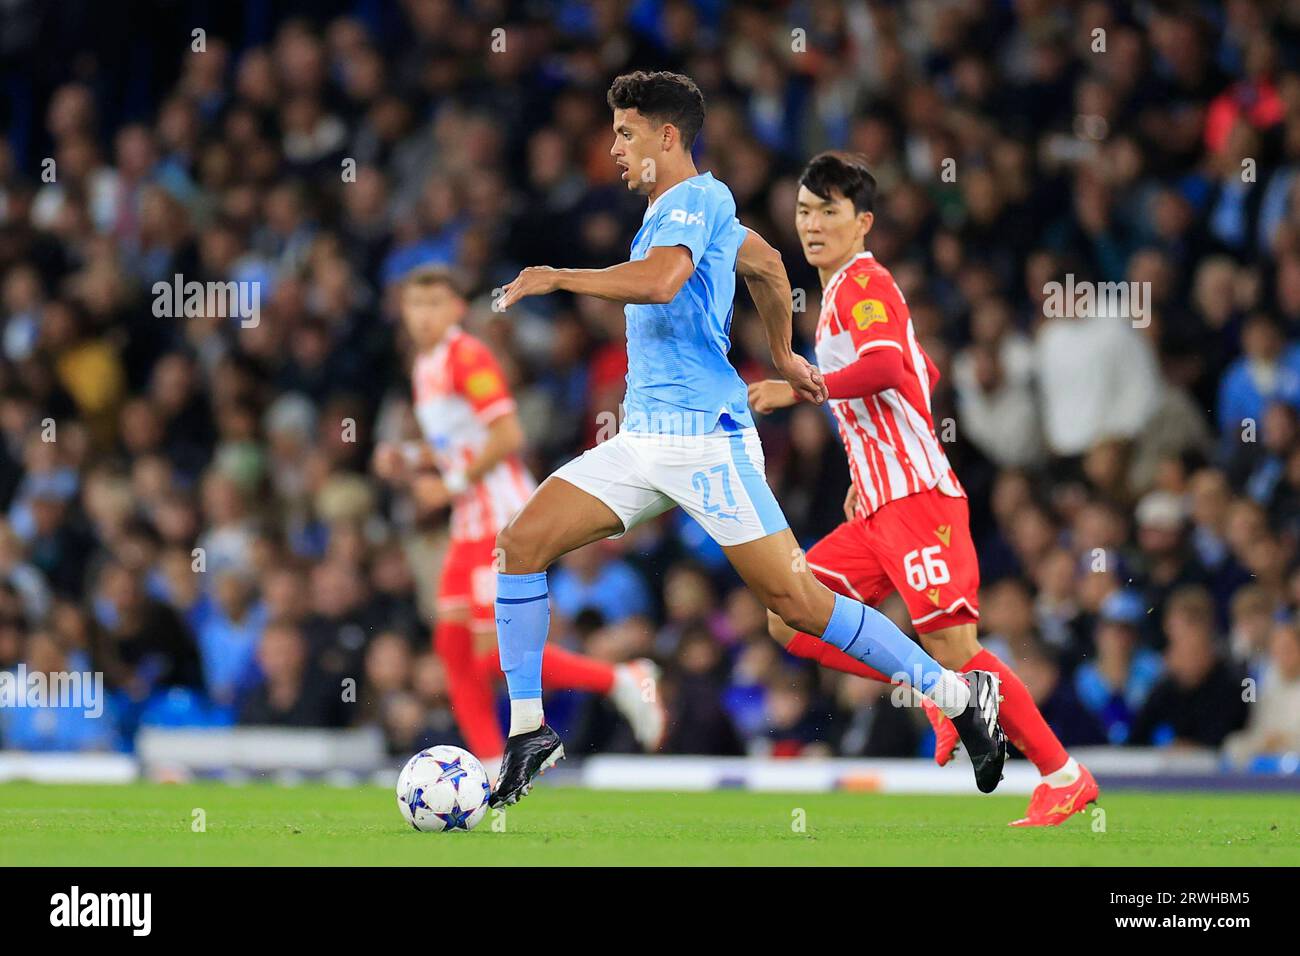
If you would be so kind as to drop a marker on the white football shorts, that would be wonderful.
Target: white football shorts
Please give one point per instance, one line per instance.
(717, 478)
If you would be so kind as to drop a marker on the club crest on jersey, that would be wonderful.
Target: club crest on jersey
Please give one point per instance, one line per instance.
(868, 312)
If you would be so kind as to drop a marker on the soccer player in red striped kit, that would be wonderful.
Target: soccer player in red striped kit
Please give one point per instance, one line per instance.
(907, 524)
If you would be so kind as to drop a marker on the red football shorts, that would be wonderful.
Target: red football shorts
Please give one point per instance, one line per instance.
(919, 546)
(469, 579)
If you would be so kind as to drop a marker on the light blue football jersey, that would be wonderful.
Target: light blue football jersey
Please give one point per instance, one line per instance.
(678, 378)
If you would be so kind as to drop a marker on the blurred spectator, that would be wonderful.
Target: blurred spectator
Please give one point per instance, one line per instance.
(1007, 619)
(796, 725)
(1200, 700)
(876, 726)
(1268, 369)
(291, 693)
(1164, 561)
(594, 578)
(997, 402)
(1210, 498)
(387, 674)
(228, 636)
(689, 601)
(420, 717)
(145, 647)
(1250, 630)
(1057, 611)
(1264, 465)
(808, 474)
(85, 724)
(1115, 686)
(410, 725)
(1098, 380)
(1274, 724)
(694, 691)
(1072, 721)
(22, 576)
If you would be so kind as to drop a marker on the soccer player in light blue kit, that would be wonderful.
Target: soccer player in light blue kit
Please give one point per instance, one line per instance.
(688, 438)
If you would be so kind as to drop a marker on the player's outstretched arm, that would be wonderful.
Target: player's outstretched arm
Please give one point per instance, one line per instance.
(764, 273)
(654, 280)
(875, 371)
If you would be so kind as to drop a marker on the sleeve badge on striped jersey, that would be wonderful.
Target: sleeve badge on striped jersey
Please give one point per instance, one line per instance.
(483, 383)
(868, 312)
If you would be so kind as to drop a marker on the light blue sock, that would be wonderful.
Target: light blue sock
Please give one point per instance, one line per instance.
(523, 611)
(872, 638)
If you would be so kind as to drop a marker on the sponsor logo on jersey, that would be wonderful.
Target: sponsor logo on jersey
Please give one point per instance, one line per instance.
(944, 534)
(689, 219)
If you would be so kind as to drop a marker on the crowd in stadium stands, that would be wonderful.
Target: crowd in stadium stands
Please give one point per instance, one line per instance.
(187, 502)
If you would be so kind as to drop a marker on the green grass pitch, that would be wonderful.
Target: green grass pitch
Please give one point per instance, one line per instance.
(153, 824)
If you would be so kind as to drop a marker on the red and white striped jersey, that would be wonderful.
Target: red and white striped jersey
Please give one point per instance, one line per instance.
(459, 391)
(889, 436)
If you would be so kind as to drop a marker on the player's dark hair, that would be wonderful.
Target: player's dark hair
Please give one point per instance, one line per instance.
(835, 172)
(663, 97)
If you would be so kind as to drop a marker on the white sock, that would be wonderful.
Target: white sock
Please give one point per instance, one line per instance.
(950, 693)
(1068, 773)
(525, 715)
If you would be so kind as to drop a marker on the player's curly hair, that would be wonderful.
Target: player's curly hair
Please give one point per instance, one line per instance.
(662, 97)
(835, 171)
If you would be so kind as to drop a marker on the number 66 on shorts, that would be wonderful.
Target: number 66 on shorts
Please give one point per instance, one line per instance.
(919, 546)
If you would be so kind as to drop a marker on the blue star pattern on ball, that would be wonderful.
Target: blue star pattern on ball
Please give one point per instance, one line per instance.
(456, 819)
(416, 803)
(451, 770)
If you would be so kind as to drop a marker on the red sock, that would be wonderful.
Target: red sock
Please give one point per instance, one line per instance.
(1020, 717)
(562, 670)
(471, 696)
(828, 655)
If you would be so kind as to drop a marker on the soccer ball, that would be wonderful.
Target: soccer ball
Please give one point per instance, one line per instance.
(443, 789)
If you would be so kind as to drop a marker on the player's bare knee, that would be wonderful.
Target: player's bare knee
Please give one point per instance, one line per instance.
(797, 610)
(520, 551)
(781, 604)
